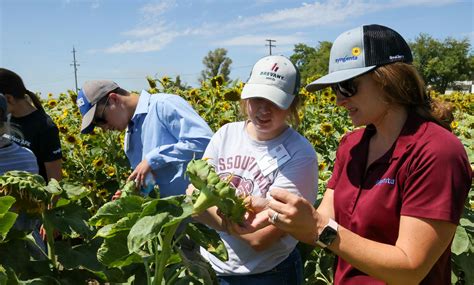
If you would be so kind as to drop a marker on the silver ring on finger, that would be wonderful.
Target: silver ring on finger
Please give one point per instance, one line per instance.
(274, 217)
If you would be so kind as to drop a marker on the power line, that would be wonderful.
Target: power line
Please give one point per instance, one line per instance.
(270, 44)
(75, 64)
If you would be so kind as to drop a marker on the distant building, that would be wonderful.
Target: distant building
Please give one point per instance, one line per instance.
(461, 86)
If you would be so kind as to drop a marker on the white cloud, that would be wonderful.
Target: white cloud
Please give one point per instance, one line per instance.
(147, 31)
(153, 33)
(157, 8)
(307, 15)
(324, 13)
(153, 43)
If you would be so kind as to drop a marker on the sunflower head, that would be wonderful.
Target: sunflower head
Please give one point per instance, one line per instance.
(217, 81)
(62, 129)
(110, 170)
(73, 97)
(193, 92)
(98, 162)
(71, 139)
(454, 124)
(90, 184)
(52, 103)
(102, 193)
(327, 129)
(232, 95)
(165, 80)
(151, 82)
(322, 165)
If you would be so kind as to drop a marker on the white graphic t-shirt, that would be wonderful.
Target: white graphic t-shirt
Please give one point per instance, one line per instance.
(287, 161)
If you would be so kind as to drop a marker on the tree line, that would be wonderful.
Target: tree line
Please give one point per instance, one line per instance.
(442, 63)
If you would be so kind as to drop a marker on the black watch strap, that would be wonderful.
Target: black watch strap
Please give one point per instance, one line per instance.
(328, 234)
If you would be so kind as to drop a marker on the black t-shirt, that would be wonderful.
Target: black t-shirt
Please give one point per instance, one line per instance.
(41, 135)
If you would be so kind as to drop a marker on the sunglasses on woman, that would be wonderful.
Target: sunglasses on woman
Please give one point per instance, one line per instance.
(346, 88)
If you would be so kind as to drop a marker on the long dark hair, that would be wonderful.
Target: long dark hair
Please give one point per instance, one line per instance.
(12, 84)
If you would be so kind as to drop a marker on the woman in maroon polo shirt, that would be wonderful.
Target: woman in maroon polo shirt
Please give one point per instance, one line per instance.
(399, 184)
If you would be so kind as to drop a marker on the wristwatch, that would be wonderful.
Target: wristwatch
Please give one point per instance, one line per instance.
(328, 234)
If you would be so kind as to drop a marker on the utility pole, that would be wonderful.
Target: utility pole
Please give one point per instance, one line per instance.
(75, 64)
(270, 45)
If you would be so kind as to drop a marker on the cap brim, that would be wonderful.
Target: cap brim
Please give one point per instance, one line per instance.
(87, 126)
(277, 96)
(336, 77)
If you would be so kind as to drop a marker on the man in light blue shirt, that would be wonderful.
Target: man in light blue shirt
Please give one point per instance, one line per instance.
(163, 131)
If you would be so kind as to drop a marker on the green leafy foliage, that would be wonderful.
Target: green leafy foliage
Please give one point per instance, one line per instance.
(137, 230)
(441, 63)
(216, 63)
(95, 167)
(312, 62)
(7, 218)
(200, 234)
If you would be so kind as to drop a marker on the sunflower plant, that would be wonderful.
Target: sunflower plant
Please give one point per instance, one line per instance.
(138, 238)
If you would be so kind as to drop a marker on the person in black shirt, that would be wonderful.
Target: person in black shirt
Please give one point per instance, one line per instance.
(40, 134)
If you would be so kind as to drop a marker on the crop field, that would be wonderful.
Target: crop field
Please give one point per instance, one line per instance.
(143, 240)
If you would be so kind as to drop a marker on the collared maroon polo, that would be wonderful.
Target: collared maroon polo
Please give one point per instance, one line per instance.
(425, 174)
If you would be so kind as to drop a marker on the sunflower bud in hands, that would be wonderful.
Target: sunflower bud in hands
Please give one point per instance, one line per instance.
(212, 191)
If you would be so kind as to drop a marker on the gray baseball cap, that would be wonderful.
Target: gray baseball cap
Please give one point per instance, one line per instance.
(274, 78)
(361, 50)
(87, 99)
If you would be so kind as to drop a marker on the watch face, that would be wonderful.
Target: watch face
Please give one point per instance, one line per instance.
(328, 235)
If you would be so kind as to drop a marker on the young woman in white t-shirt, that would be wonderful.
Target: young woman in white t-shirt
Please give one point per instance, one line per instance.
(261, 153)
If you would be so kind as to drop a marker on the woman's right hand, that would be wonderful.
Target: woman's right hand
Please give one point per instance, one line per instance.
(294, 215)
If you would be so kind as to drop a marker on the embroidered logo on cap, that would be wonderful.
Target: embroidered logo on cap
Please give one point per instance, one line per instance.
(275, 67)
(346, 58)
(80, 102)
(396, 57)
(356, 51)
(273, 75)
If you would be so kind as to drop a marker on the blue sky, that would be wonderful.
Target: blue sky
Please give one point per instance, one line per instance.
(125, 41)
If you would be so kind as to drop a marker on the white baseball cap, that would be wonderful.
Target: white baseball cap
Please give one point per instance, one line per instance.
(274, 78)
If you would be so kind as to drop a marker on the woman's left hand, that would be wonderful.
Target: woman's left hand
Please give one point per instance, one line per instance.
(253, 222)
(294, 215)
(255, 217)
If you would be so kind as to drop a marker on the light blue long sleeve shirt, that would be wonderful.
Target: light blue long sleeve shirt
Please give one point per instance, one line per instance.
(167, 132)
